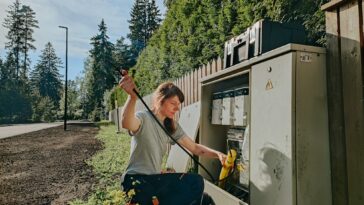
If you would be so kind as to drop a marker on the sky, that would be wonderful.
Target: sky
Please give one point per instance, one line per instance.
(82, 18)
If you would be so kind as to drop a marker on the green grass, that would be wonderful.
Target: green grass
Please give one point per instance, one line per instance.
(114, 158)
(108, 165)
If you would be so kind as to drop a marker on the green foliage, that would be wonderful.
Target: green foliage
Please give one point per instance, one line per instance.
(29, 24)
(46, 86)
(15, 101)
(123, 55)
(149, 71)
(86, 89)
(14, 106)
(193, 32)
(153, 18)
(105, 59)
(108, 166)
(20, 23)
(45, 78)
(96, 114)
(111, 195)
(305, 12)
(104, 123)
(145, 19)
(101, 75)
(44, 110)
(116, 94)
(113, 159)
(168, 3)
(1, 67)
(7, 73)
(74, 109)
(137, 23)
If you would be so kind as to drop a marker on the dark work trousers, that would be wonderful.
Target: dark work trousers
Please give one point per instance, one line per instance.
(170, 188)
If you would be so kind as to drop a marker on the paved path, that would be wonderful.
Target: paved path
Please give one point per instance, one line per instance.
(13, 130)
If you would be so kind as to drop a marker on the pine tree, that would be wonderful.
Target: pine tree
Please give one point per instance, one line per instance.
(73, 98)
(45, 78)
(7, 73)
(137, 26)
(1, 65)
(102, 55)
(103, 71)
(122, 55)
(29, 24)
(86, 88)
(14, 22)
(15, 104)
(153, 19)
(2, 74)
(20, 23)
(145, 19)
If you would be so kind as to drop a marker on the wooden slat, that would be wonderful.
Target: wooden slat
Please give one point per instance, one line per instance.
(208, 68)
(335, 110)
(219, 64)
(352, 95)
(199, 75)
(213, 66)
(189, 87)
(204, 71)
(192, 88)
(195, 85)
(332, 5)
(177, 83)
(186, 88)
(183, 90)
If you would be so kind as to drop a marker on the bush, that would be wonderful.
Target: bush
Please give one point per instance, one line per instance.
(44, 110)
(14, 107)
(96, 115)
(117, 94)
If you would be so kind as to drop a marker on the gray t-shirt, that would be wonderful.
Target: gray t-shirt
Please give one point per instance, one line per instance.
(148, 145)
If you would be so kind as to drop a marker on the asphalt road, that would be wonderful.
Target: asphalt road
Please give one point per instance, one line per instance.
(13, 130)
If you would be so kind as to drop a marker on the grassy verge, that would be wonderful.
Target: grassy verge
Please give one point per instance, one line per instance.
(108, 166)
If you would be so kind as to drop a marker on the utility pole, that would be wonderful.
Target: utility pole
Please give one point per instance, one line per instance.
(65, 84)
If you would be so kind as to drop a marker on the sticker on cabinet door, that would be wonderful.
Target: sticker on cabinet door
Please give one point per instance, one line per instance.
(269, 85)
(306, 57)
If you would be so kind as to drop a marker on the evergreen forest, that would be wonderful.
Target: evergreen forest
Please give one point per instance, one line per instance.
(157, 48)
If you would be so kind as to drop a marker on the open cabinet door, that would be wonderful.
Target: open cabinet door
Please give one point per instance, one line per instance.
(190, 122)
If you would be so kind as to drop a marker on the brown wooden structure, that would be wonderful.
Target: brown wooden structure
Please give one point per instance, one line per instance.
(190, 82)
(345, 77)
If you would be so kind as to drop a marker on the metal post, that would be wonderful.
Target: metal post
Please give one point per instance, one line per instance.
(65, 84)
(117, 116)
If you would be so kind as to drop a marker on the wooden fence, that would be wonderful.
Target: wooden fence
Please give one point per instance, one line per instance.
(345, 81)
(190, 82)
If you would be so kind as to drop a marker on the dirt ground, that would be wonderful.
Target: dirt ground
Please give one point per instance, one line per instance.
(48, 166)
